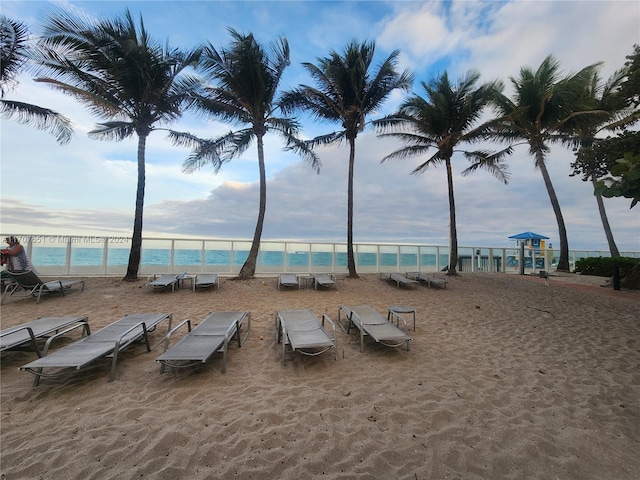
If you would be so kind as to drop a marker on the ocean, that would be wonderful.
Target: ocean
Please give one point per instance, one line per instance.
(86, 257)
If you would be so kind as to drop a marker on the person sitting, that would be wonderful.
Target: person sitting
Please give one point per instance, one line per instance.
(15, 257)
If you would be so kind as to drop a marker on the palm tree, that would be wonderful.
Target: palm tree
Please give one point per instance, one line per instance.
(14, 51)
(246, 78)
(444, 119)
(123, 76)
(605, 97)
(348, 92)
(546, 109)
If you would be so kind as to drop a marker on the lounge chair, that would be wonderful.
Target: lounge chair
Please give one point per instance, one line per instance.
(29, 281)
(288, 280)
(5, 280)
(399, 280)
(303, 332)
(108, 341)
(42, 327)
(206, 280)
(163, 281)
(371, 322)
(326, 280)
(430, 279)
(210, 336)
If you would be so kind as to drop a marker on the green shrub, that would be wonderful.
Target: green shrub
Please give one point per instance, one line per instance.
(603, 266)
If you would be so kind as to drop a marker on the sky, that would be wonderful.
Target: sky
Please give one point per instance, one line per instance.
(88, 187)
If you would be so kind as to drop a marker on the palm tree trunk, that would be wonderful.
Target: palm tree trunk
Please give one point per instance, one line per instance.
(563, 261)
(136, 239)
(613, 248)
(351, 264)
(248, 270)
(453, 231)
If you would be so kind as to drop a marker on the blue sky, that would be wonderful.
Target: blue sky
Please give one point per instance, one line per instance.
(88, 186)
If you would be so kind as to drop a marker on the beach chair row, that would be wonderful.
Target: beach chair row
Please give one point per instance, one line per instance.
(29, 284)
(413, 279)
(297, 331)
(285, 280)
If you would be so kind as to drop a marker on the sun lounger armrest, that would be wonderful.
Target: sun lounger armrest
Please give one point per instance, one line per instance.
(342, 327)
(31, 335)
(241, 341)
(334, 338)
(118, 345)
(86, 332)
(11, 286)
(167, 338)
(278, 328)
(399, 317)
(129, 330)
(333, 325)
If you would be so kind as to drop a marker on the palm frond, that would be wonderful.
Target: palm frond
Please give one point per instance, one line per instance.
(217, 152)
(114, 67)
(327, 139)
(436, 159)
(113, 131)
(493, 162)
(303, 148)
(42, 118)
(413, 150)
(184, 139)
(14, 37)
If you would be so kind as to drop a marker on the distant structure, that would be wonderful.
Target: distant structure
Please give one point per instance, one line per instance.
(536, 251)
(533, 241)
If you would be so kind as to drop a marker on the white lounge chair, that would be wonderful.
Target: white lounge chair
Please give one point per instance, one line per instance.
(430, 279)
(304, 333)
(372, 323)
(108, 341)
(325, 280)
(210, 336)
(206, 280)
(289, 280)
(163, 281)
(399, 280)
(40, 328)
(29, 282)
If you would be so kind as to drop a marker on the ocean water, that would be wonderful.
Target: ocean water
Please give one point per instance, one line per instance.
(80, 256)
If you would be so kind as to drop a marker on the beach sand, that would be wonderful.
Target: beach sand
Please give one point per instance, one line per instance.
(506, 378)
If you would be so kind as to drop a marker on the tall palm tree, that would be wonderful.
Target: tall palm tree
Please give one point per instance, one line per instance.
(347, 92)
(14, 51)
(245, 78)
(446, 117)
(546, 109)
(605, 97)
(123, 76)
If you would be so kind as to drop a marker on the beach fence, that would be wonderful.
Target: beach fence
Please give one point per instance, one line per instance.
(64, 255)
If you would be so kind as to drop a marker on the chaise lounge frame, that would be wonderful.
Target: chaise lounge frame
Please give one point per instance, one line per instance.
(304, 333)
(325, 280)
(206, 280)
(372, 323)
(29, 281)
(40, 328)
(106, 342)
(163, 281)
(289, 280)
(434, 279)
(399, 280)
(211, 335)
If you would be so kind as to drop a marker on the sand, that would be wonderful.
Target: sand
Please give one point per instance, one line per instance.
(506, 378)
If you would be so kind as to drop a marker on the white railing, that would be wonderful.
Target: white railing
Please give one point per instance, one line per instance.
(64, 255)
